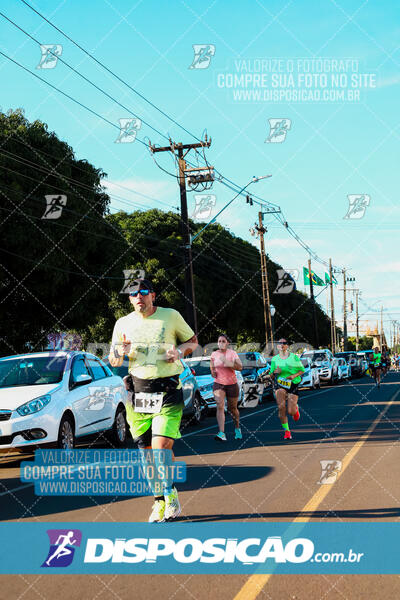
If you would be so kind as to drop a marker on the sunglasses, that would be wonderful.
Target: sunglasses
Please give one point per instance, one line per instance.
(141, 292)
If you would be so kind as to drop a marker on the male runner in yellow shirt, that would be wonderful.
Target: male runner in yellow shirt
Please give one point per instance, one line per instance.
(149, 336)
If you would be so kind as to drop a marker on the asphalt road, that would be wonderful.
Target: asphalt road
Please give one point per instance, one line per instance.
(260, 478)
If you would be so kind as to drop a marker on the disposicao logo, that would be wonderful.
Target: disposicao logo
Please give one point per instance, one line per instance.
(191, 550)
(62, 547)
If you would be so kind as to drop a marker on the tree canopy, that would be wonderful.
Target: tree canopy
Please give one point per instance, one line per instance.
(62, 264)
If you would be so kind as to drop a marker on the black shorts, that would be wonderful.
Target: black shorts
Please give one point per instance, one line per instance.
(231, 390)
(294, 388)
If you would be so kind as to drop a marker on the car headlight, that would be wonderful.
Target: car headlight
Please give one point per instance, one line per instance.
(33, 406)
(251, 377)
(206, 388)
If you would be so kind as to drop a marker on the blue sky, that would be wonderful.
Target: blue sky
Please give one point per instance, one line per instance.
(333, 149)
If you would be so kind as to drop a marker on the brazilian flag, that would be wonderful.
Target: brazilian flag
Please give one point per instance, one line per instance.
(327, 279)
(315, 279)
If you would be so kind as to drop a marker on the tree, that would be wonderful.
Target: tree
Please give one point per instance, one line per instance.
(227, 280)
(51, 268)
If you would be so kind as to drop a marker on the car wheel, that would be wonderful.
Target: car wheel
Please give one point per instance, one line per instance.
(314, 385)
(119, 430)
(66, 434)
(198, 410)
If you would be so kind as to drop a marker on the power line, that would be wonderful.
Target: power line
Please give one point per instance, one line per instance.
(263, 203)
(111, 72)
(104, 179)
(83, 76)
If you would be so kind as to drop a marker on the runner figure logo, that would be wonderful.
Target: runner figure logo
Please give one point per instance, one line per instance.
(128, 130)
(54, 206)
(357, 206)
(278, 129)
(202, 56)
(130, 276)
(62, 547)
(286, 281)
(204, 205)
(330, 470)
(50, 54)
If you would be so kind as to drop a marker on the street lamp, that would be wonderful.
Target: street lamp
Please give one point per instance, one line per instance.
(254, 179)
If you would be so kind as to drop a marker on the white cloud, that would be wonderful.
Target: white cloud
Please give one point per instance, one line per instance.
(148, 193)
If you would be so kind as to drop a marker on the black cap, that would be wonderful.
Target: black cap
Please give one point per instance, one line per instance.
(140, 284)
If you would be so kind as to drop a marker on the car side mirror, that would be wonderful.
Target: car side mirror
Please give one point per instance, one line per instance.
(82, 379)
(193, 371)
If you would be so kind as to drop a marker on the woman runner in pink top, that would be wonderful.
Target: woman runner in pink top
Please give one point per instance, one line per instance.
(223, 364)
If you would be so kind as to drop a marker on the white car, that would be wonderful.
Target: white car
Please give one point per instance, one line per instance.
(324, 361)
(56, 397)
(310, 377)
(343, 368)
(201, 367)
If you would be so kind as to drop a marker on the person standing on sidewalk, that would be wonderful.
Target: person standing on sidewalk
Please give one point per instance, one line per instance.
(223, 364)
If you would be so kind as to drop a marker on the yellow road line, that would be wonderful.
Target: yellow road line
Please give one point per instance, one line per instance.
(254, 585)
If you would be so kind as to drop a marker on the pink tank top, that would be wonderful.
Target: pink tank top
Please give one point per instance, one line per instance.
(225, 374)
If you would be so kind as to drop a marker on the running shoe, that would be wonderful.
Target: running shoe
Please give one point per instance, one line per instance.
(287, 436)
(221, 437)
(158, 511)
(238, 433)
(296, 417)
(172, 506)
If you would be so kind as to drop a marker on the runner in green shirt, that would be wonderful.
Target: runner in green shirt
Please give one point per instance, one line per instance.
(376, 366)
(288, 369)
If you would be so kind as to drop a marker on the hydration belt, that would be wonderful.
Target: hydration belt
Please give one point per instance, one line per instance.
(160, 384)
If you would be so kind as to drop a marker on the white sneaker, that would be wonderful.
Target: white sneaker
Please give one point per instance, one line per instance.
(158, 512)
(172, 506)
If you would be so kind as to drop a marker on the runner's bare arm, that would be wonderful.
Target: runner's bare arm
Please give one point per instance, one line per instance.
(118, 351)
(186, 348)
(296, 375)
(212, 369)
(237, 364)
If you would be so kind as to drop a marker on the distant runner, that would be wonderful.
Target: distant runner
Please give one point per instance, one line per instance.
(149, 336)
(385, 361)
(223, 364)
(287, 369)
(376, 359)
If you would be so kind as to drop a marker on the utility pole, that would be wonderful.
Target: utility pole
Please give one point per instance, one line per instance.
(182, 150)
(264, 281)
(357, 292)
(344, 313)
(333, 324)
(313, 304)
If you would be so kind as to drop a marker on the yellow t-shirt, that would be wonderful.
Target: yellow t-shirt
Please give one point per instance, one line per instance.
(150, 338)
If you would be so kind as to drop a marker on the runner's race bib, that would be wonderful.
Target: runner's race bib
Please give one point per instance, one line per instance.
(285, 383)
(148, 402)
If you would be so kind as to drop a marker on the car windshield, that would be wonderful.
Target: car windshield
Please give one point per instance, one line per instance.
(202, 368)
(31, 370)
(347, 357)
(251, 359)
(316, 356)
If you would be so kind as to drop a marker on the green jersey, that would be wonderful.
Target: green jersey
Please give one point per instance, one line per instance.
(288, 366)
(376, 359)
